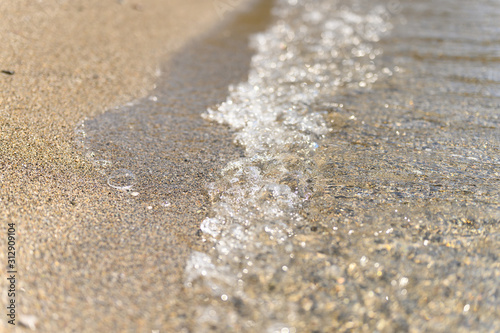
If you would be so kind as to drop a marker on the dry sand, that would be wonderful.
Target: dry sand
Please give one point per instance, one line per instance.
(88, 259)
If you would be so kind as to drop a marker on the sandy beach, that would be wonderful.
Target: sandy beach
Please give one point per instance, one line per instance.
(287, 166)
(91, 258)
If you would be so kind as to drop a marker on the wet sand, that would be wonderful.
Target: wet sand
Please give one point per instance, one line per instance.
(91, 258)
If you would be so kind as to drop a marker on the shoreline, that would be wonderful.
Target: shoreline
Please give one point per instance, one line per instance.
(89, 251)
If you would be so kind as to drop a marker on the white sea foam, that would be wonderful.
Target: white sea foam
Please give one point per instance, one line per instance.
(311, 50)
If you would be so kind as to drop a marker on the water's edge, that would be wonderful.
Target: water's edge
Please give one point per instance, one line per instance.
(157, 154)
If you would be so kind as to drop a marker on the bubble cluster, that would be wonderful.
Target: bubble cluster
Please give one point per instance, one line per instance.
(259, 201)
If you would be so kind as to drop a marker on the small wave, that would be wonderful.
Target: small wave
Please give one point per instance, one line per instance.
(259, 200)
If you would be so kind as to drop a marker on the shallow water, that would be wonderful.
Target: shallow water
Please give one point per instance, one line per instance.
(369, 197)
(365, 196)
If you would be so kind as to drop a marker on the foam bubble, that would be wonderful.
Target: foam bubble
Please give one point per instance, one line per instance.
(122, 179)
(311, 50)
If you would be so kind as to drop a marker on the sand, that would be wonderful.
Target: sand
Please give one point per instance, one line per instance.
(91, 258)
(76, 59)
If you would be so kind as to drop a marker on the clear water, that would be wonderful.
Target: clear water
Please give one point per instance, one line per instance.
(368, 197)
(364, 192)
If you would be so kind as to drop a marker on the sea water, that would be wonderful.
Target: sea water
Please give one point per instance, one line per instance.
(361, 192)
(368, 197)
